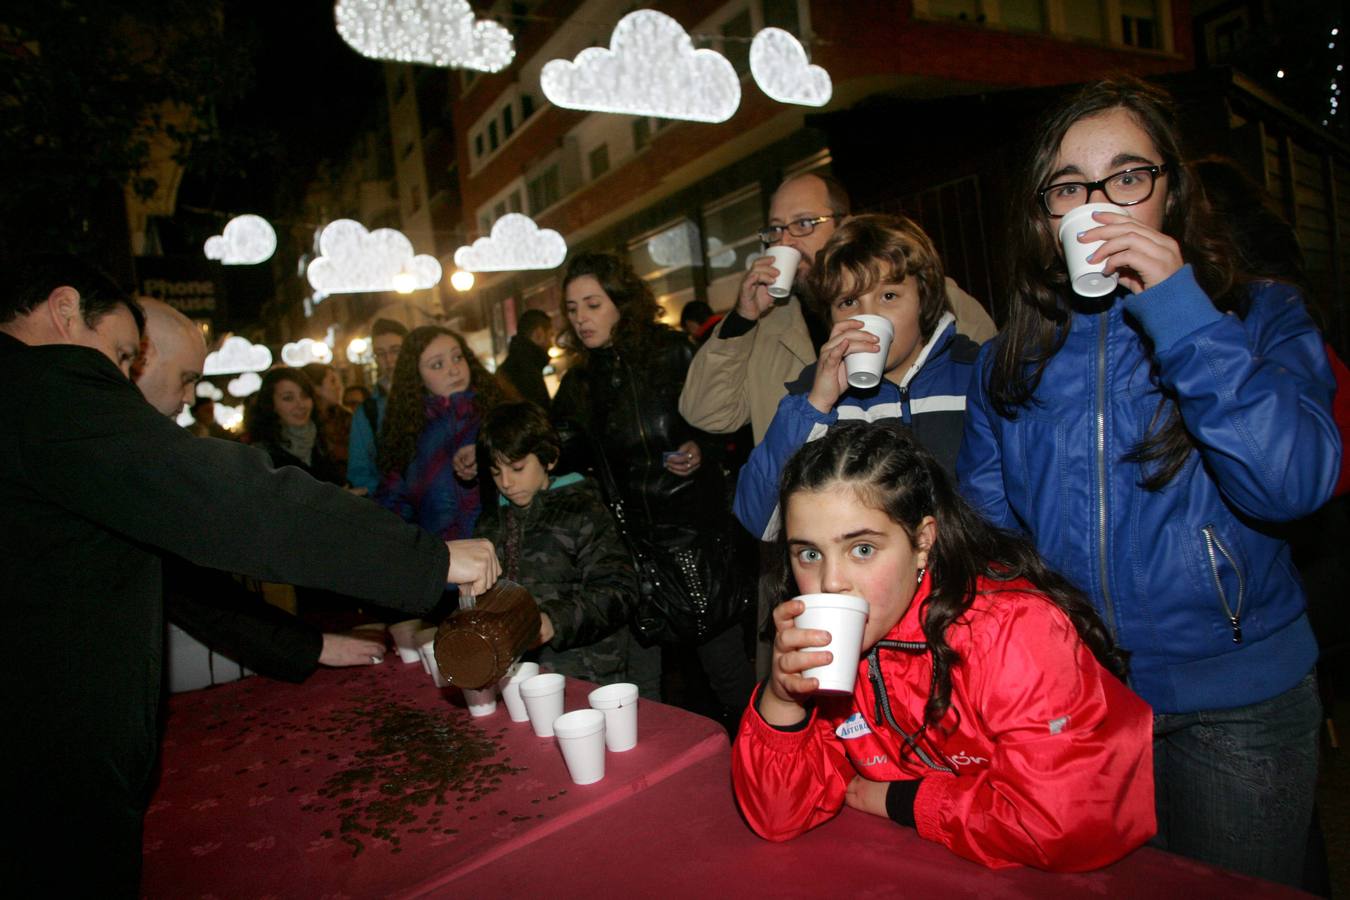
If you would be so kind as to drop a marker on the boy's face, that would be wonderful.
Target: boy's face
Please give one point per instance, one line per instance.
(521, 479)
(896, 301)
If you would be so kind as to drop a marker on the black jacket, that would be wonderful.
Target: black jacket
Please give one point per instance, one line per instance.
(524, 368)
(94, 486)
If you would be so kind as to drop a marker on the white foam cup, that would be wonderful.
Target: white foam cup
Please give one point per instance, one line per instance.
(1087, 278)
(843, 616)
(482, 703)
(428, 651)
(785, 260)
(619, 703)
(543, 696)
(510, 685)
(420, 637)
(405, 639)
(866, 369)
(581, 737)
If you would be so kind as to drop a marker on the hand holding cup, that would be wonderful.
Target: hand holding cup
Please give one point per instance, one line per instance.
(847, 336)
(784, 701)
(1137, 255)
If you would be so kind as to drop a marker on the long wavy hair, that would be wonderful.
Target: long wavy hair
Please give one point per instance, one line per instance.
(406, 415)
(637, 332)
(1040, 308)
(889, 471)
(262, 425)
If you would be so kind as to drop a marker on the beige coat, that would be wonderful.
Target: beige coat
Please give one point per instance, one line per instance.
(737, 380)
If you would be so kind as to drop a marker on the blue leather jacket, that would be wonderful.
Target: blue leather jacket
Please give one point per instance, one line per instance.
(1193, 579)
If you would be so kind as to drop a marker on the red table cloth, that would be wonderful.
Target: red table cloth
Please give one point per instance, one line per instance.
(239, 811)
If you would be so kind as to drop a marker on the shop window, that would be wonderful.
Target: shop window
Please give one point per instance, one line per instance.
(599, 160)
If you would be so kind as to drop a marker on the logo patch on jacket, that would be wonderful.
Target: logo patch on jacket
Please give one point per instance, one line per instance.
(855, 726)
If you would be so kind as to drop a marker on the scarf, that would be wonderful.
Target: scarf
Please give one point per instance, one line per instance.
(298, 441)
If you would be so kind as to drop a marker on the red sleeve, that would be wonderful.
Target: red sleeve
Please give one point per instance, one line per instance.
(1340, 413)
(788, 782)
(1069, 786)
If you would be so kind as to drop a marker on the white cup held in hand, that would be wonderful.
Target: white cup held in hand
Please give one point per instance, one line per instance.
(619, 703)
(843, 616)
(785, 260)
(581, 737)
(510, 685)
(1088, 279)
(543, 696)
(865, 370)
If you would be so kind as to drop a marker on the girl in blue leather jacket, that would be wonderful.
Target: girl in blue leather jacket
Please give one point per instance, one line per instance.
(1151, 442)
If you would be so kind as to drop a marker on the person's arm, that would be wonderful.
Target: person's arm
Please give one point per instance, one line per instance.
(361, 469)
(1255, 395)
(756, 502)
(1069, 785)
(608, 590)
(715, 397)
(979, 464)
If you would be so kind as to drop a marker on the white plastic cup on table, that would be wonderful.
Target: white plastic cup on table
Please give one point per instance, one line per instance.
(428, 651)
(1088, 279)
(510, 685)
(482, 703)
(866, 369)
(581, 737)
(543, 696)
(785, 260)
(420, 637)
(619, 703)
(843, 616)
(405, 639)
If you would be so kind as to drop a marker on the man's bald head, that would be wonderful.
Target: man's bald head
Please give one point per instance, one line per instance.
(172, 356)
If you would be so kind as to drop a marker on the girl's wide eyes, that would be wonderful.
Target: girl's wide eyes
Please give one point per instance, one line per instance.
(808, 555)
(863, 551)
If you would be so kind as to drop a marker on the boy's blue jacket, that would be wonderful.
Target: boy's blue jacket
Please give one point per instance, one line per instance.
(1193, 579)
(931, 399)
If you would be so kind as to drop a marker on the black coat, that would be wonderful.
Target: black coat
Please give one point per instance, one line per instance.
(94, 486)
(524, 368)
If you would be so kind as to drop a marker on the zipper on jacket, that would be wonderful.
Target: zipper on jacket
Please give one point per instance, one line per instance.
(1213, 543)
(1103, 568)
(904, 405)
(883, 700)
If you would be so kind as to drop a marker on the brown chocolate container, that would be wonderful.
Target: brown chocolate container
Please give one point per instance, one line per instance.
(475, 647)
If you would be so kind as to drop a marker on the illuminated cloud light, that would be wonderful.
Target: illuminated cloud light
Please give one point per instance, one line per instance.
(650, 69)
(246, 241)
(353, 260)
(184, 417)
(245, 384)
(780, 67)
(674, 247)
(720, 256)
(237, 355)
(434, 32)
(515, 243)
(209, 390)
(306, 351)
(229, 417)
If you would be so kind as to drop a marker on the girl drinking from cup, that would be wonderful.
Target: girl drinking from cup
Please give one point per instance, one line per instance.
(987, 711)
(427, 445)
(1149, 442)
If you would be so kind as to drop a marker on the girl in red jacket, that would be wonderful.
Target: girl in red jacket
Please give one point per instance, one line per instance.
(989, 710)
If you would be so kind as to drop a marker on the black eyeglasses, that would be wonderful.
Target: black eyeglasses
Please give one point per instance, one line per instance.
(1123, 189)
(772, 234)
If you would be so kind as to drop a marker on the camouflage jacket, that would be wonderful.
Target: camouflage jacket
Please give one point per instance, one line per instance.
(565, 549)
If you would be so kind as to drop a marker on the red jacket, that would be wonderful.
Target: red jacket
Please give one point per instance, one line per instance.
(1044, 759)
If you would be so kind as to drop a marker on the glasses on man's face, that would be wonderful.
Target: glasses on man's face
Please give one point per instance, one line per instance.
(1123, 189)
(772, 234)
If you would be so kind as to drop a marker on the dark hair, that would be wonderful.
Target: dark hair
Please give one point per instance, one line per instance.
(836, 194)
(31, 278)
(867, 250)
(531, 320)
(695, 311)
(360, 389)
(891, 472)
(406, 416)
(316, 373)
(513, 431)
(388, 326)
(1038, 318)
(637, 330)
(262, 425)
(200, 402)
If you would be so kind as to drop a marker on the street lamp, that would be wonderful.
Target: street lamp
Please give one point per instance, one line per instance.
(461, 280)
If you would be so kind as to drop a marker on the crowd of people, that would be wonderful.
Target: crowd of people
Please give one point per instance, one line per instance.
(1085, 631)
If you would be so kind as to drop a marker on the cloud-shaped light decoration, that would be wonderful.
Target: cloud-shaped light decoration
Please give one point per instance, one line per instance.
(434, 32)
(305, 351)
(780, 67)
(245, 384)
(184, 418)
(720, 256)
(674, 247)
(353, 260)
(649, 69)
(515, 243)
(245, 241)
(209, 390)
(237, 355)
(229, 417)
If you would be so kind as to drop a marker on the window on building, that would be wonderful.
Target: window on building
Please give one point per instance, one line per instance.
(642, 133)
(508, 121)
(478, 144)
(1084, 19)
(736, 34)
(666, 259)
(526, 106)
(499, 210)
(492, 135)
(513, 202)
(965, 10)
(1139, 23)
(730, 237)
(599, 160)
(544, 190)
(415, 197)
(485, 223)
(1028, 15)
(783, 14)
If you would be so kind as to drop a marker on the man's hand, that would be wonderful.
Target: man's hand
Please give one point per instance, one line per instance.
(350, 650)
(754, 300)
(473, 565)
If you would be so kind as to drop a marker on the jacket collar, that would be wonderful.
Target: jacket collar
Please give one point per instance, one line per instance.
(560, 481)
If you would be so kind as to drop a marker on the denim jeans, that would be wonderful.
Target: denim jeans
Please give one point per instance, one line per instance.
(1235, 787)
